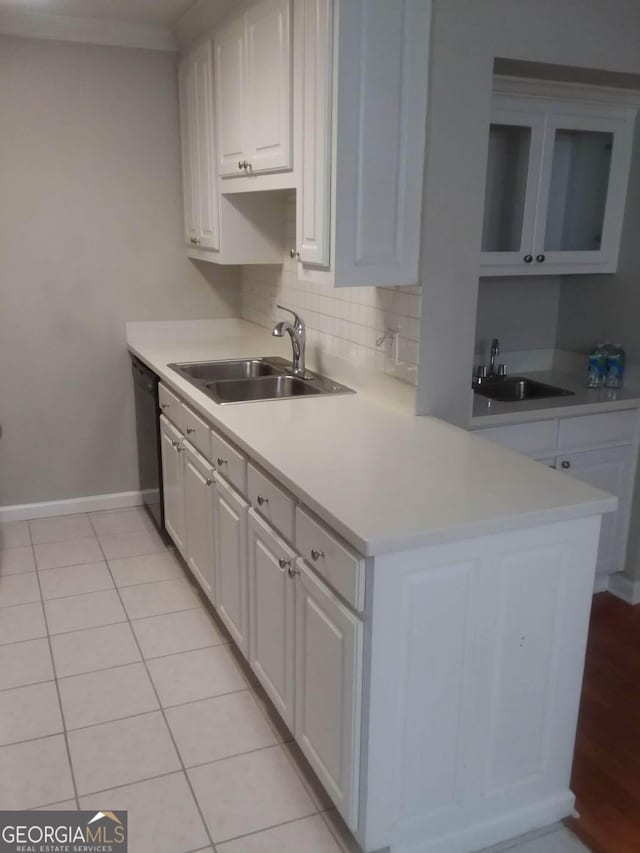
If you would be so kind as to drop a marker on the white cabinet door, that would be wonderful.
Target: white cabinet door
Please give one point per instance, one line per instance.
(186, 84)
(268, 100)
(328, 695)
(272, 617)
(230, 548)
(313, 209)
(230, 69)
(611, 469)
(200, 191)
(173, 482)
(207, 189)
(198, 506)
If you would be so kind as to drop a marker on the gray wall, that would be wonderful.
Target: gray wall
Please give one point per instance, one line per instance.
(521, 312)
(467, 35)
(90, 236)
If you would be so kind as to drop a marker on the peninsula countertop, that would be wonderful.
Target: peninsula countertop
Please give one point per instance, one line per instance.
(383, 478)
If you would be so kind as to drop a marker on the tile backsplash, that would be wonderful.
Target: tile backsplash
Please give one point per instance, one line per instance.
(376, 327)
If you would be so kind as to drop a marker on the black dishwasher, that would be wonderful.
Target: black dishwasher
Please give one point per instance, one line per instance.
(145, 383)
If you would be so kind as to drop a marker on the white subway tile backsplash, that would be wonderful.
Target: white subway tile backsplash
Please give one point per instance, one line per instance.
(342, 321)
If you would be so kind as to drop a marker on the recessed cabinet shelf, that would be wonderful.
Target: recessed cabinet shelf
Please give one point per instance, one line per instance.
(556, 182)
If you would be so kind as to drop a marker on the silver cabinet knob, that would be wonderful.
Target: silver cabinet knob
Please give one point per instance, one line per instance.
(241, 164)
(209, 481)
(190, 430)
(293, 254)
(164, 406)
(284, 564)
(315, 555)
(194, 241)
(565, 464)
(175, 442)
(262, 501)
(293, 571)
(221, 461)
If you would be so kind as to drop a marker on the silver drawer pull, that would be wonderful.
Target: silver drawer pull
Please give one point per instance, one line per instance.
(262, 501)
(293, 572)
(209, 481)
(284, 564)
(164, 406)
(190, 430)
(315, 555)
(175, 443)
(566, 464)
(221, 461)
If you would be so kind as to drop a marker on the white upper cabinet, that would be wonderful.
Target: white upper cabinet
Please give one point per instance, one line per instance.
(202, 217)
(226, 231)
(363, 104)
(556, 182)
(254, 58)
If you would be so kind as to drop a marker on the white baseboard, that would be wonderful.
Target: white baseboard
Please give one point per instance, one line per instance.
(601, 583)
(72, 506)
(623, 587)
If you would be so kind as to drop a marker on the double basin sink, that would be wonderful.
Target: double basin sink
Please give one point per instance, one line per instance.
(252, 379)
(511, 389)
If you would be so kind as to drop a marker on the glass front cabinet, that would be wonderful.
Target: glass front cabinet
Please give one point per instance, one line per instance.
(556, 182)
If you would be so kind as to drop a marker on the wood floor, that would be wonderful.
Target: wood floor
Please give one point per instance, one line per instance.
(606, 772)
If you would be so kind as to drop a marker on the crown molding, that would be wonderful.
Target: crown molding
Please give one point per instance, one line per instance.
(42, 25)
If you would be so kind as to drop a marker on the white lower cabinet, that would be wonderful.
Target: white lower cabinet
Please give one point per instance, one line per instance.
(328, 690)
(230, 536)
(599, 449)
(272, 621)
(198, 513)
(171, 443)
(607, 468)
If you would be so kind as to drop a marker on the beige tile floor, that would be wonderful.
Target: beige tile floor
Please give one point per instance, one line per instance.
(120, 690)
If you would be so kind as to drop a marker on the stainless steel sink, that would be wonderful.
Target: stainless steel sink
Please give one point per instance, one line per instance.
(511, 389)
(211, 371)
(253, 379)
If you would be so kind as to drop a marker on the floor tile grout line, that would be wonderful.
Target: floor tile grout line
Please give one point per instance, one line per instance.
(164, 717)
(62, 716)
(268, 828)
(28, 684)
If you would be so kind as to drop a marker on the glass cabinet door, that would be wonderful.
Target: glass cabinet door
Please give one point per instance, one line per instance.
(513, 162)
(582, 190)
(580, 169)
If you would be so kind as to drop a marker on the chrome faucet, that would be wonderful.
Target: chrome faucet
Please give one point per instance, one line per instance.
(495, 352)
(298, 333)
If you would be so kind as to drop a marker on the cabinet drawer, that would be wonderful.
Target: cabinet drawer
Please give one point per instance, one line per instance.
(197, 432)
(229, 462)
(271, 501)
(170, 406)
(343, 569)
(597, 429)
(524, 438)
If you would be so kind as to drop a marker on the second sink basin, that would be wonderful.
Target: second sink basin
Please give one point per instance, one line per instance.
(515, 388)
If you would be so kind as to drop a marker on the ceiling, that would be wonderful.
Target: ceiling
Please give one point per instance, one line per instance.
(162, 13)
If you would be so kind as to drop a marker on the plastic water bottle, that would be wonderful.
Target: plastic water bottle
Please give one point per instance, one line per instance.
(597, 366)
(616, 358)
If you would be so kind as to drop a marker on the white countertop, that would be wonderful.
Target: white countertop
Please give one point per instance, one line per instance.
(381, 477)
(585, 401)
